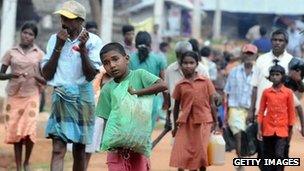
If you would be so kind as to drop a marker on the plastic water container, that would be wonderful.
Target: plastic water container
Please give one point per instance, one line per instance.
(216, 149)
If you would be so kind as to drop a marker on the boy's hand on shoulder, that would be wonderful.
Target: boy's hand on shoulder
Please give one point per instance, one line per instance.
(132, 91)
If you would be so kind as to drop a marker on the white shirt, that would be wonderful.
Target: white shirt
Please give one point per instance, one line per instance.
(69, 70)
(211, 67)
(173, 74)
(261, 72)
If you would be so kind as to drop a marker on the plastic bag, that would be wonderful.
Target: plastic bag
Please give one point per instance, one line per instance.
(229, 139)
(216, 149)
(129, 125)
(296, 63)
(249, 140)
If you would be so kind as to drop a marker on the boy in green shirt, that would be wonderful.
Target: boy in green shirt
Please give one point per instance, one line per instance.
(115, 61)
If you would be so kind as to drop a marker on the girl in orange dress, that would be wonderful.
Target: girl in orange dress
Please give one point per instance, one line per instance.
(23, 93)
(194, 117)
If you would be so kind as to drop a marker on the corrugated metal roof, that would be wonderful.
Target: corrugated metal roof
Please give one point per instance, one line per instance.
(290, 7)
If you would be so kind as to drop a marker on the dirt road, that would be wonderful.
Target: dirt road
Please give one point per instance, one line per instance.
(159, 159)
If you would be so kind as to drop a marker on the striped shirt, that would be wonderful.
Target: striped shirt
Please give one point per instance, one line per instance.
(238, 87)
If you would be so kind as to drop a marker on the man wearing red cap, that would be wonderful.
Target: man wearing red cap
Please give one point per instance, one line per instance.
(70, 64)
(238, 92)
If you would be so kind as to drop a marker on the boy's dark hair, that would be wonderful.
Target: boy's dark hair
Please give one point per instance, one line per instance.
(163, 45)
(143, 43)
(280, 31)
(91, 24)
(112, 46)
(30, 25)
(263, 31)
(192, 54)
(205, 51)
(127, 28)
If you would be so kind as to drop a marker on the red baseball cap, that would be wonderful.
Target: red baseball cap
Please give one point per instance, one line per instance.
(250, 48)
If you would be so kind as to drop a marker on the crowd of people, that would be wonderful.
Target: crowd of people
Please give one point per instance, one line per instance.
(204, 90)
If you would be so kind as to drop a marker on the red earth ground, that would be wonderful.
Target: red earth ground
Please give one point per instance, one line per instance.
(159, 159)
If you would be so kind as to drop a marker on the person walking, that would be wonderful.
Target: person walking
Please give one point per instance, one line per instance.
(194, 117)
(238, 94)
(23, 93)
(70, 64)
(152, 62)
(141, 83)
(276, 116)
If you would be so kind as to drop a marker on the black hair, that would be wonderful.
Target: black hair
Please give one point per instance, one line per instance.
(280, 31)
(30, 25)
(143, 44)
(205, 51)
(263, 31)
(127, 28)
(277, 68)
(297, 64)
(195, 45)
(112, 46)
(91, 24)
(163, 45)
(192, 54)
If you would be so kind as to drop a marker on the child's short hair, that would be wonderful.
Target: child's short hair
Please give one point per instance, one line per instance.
(163, 45)
(192, 54)
(112, 46)
(127, 28)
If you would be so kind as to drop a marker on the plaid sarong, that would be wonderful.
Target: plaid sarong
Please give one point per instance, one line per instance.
(72, 114)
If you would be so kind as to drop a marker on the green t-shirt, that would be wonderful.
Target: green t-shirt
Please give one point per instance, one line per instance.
(138, 79)
(154, 63)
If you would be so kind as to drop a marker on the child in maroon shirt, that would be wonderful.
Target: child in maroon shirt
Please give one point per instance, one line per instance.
(194, 116)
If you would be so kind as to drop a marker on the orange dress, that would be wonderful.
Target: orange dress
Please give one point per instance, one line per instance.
(23, 94)
(195, 121)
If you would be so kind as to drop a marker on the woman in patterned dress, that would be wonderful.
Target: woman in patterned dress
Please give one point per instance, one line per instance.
(23, 93)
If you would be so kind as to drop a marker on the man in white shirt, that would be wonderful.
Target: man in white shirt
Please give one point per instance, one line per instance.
(279, 40)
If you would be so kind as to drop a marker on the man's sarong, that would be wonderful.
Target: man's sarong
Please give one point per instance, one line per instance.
(72, 114)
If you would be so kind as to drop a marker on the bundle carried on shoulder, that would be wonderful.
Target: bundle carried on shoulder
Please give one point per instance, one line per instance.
(129, 125)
